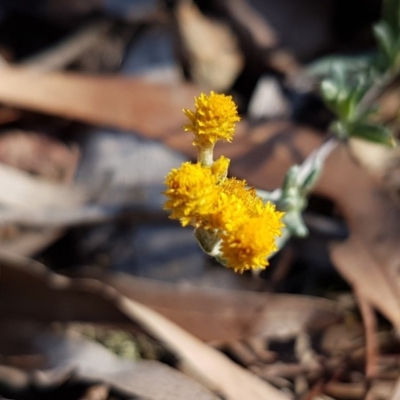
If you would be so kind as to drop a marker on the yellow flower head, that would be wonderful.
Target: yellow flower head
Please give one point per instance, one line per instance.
(236, 203)
(237, 190)
(271, 217)
(214, 119)
(229, 209)
(250, 243)
(191, 191)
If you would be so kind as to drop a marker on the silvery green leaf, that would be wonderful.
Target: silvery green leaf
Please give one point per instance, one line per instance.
(295, 224)
(330, 90)
(372, 133)
(384, 36)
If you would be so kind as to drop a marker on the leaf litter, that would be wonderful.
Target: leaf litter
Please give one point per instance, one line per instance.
(224, 343)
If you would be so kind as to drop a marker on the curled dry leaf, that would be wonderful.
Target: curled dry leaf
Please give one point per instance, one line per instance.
(214, 314)
(369, 259)
(214, 56)
(92, 362)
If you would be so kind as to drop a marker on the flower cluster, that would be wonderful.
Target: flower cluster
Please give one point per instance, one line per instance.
(200, 194)
(214, 118)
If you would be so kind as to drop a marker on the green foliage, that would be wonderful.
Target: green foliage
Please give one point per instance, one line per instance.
(391, 14)
(371, 132)
(299, 181)
(350, 92)
(389, 46)
(343, 94)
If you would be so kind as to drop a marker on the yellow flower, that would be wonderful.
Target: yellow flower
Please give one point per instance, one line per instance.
(237, 190)
(221, 209)
(271, 217)
(235, 203)
(214, 119)
(226, 213)
(191, 192)
(251, 242)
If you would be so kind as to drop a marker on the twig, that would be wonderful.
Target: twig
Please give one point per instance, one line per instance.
(349, 391)
(68, 50)
(370, 325)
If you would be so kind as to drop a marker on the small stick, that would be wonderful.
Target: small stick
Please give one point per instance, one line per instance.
(370, 325)
(69, 49)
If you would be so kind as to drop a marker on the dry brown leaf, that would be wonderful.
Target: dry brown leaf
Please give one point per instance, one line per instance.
(214, 314)
(18, 186)
(214, 56)
(53, 356)
(376, 278)
(55, 164)
(261, 153)
(36, 167)
(46, 295)
(26, 295)
(380, 389)
(39, 154)
(203, 363)
(370, 258)
(92, 362)
(259, 29)
(126, 103)
(210, 314)
(257, 38)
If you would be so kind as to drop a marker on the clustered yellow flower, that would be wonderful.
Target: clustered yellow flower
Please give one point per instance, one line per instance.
(214, 118)
(201, 195)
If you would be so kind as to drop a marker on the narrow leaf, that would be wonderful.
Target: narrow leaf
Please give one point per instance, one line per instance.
(372, 133)
(385, 38)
